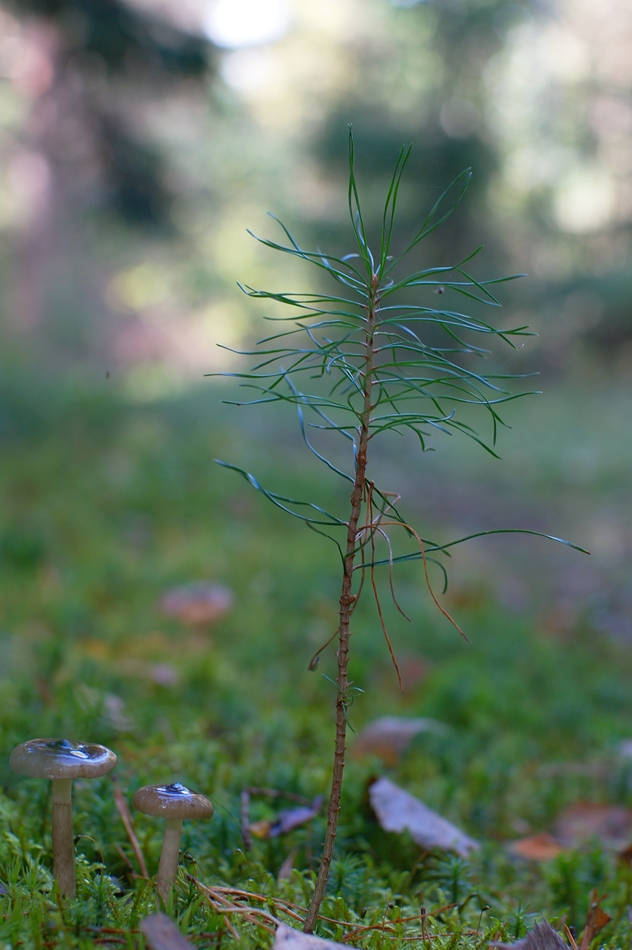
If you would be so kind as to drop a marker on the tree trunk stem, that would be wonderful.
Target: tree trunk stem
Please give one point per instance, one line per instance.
(346, 605)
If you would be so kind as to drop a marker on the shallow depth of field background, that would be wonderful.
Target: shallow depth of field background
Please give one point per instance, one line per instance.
(138, 141)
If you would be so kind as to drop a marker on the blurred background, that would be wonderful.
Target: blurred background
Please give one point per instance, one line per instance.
(138, 141)
(139, 138)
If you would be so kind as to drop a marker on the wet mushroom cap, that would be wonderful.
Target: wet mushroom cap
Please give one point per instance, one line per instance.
(60, 759)
(172, 801)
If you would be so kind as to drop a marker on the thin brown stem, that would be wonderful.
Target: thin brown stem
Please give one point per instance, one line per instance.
(347, 600)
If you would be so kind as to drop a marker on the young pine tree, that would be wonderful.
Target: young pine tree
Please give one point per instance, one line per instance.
(363, 360)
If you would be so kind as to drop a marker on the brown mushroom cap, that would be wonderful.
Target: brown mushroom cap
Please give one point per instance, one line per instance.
(60, 759)
(172, 801)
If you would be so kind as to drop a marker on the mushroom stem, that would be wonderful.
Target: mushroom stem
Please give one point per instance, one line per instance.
(169, 857)
(63, 844)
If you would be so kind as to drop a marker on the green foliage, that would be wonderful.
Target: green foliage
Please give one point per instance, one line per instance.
(413, 385)
(408, 370)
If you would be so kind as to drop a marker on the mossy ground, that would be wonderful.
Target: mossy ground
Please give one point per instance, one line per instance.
(107, 504)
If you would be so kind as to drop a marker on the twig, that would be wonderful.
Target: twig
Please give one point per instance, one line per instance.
(126, 817)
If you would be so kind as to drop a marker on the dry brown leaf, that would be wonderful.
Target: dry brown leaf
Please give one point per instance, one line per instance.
(161, 673)
(595, 921)
(541, 847)
(398, 811)
(261, 828)
(542, 937)
(289, 939)
(389, 736)
(162, 934)
(625, 854)
(611, 824)
(286, 820)
(197, 604)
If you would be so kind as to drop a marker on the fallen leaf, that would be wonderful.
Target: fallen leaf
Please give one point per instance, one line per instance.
(292, 818)
(289, 939)
(595, 921)
(389, 736)
(162, 934)
(625, 854)
(611, 824)
(542, 937)
(286, 820)
(398, 811)
(163, 674)
(261, 828)
(199, 603)
(541, 847)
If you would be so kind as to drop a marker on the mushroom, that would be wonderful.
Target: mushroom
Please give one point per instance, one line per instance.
(173, 803)
(61, 761)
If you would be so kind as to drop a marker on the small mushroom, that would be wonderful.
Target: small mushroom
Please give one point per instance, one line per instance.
(173, 803)
(61, 762)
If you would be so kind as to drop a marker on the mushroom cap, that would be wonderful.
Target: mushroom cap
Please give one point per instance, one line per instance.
(61, 759)
(172, 801)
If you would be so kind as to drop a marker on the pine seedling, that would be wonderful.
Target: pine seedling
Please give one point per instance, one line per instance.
(357, 363)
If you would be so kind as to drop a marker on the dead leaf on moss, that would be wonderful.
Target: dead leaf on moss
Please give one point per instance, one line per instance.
(542, 937)
(579, 823)
(163, 674)
(389, 736)
(625, 854)
(398, 811)
(595, 921)
(197, 604)
(286, 820)
(162, 934)
(289, 939)
(541, 847)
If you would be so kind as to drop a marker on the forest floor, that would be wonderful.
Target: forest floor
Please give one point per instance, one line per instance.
(110, 505)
